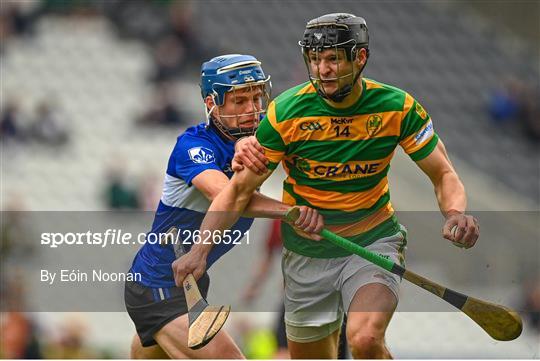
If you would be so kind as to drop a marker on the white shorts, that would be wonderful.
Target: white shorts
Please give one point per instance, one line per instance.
(319, 290)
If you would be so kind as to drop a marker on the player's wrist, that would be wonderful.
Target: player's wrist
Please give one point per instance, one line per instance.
(201, 250)
(453, 212)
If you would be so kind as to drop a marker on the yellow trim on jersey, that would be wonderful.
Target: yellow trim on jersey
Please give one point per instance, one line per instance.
(308, 89)
(370, 222)
(370, 84)
(322, 128)
(274, 156)
(271, 114)
(288, 199)
(410, 145)
(409, 102)
(348, 202)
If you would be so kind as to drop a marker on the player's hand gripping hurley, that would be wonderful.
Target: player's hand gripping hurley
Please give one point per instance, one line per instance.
(501, 323)
(205, 320)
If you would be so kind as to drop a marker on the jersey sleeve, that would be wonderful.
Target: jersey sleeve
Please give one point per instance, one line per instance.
(417, 136)
(270, 139)
(191, 157)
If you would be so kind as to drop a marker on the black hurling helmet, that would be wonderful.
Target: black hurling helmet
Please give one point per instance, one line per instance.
(335, 31)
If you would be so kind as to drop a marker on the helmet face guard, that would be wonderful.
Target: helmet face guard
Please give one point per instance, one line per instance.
(259, 101)
(236, 75)
(334, 32)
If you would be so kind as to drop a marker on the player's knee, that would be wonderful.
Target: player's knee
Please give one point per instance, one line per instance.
(135, 349)
(232, 352)
(221, 347)
(366, 344)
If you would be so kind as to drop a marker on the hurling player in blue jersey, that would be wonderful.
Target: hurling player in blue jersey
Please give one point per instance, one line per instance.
(235, 92)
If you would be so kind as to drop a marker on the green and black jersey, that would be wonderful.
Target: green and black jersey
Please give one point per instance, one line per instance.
(337, 160)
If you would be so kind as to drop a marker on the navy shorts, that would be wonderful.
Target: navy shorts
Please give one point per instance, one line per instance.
(152, 308)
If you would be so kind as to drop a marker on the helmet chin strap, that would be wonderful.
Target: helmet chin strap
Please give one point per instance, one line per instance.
(208, 113)
(234, 133)
(211, 121)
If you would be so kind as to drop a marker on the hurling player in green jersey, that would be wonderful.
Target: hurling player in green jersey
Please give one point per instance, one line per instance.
(335, 136)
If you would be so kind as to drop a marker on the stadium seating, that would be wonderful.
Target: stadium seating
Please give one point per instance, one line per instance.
(442, 57)
(99, 80)
(99, 83)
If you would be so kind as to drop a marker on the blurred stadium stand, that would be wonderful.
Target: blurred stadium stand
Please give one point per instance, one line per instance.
(99, 79)
(97, 61)
(436, 53)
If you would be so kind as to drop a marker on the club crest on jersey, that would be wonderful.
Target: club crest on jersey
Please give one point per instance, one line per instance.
(301, 164)
(201, 155)
(373, 124)
(420, 111)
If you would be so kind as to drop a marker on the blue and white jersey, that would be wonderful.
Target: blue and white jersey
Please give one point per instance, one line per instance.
(183, 206)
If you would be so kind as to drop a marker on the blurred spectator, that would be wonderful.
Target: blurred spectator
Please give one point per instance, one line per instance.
(180, 16)
(18, 338)
(504, 103)
(273, 246)
(10, 124)
(514, 102)
(530, 115)
(149, 191)
(139, 19)
(82, 8)
(47, 126)
(17, 245)
(168, 59)
(532, 303)
(163, 111)
(15, 230)
(118, 194)
(71, 342)
(17, 18)
(17, 242)
(174, 43)
(18, 334)
(260, 344)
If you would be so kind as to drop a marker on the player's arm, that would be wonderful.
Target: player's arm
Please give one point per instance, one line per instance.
(211, 182)
(451, 197)
(449, 190)
(235, 198)
(226, 209)
(419, 140)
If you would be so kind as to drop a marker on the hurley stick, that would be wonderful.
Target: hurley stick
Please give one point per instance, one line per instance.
(205, 320)
(501, 323)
